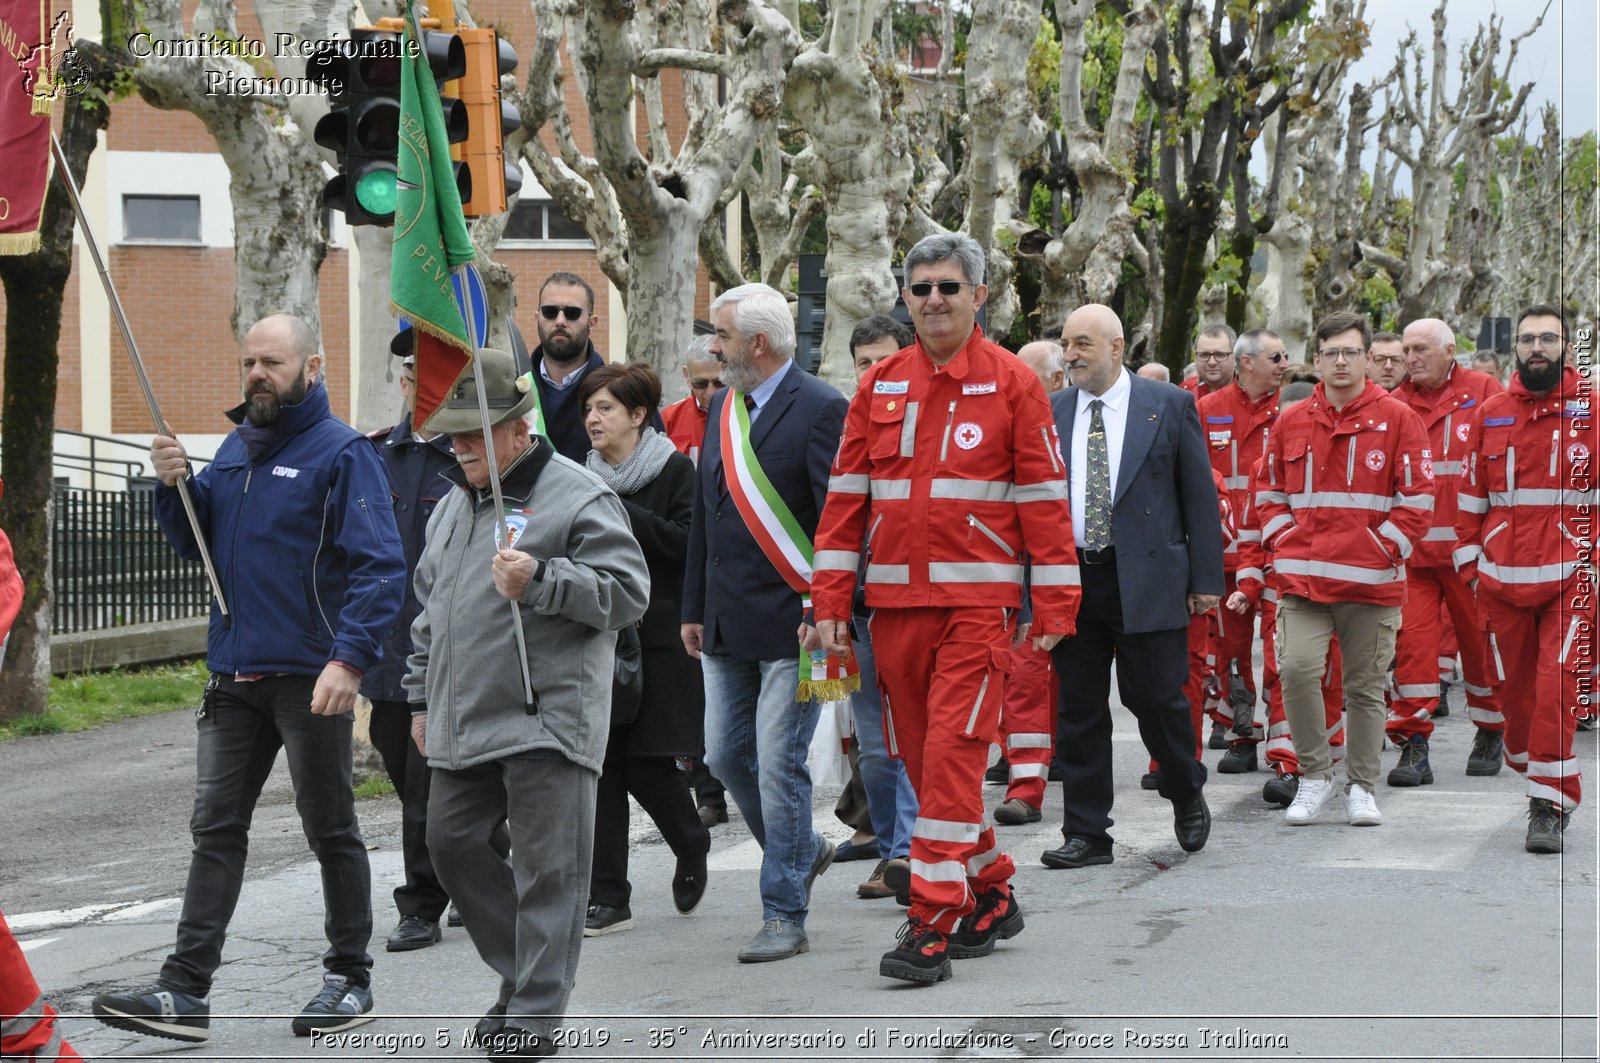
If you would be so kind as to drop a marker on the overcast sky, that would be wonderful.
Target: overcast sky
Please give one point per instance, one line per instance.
(1560, 59)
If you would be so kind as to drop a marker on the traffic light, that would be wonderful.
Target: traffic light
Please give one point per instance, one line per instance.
(447, 60)
(363, 128)
(489, 178)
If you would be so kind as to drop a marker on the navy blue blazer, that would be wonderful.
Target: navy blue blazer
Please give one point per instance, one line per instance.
(1164, 523)
(748, 611)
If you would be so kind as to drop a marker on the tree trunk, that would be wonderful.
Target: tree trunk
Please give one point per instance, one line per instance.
(34, 286)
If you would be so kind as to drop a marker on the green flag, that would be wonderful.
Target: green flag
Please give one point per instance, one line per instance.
(430, 232)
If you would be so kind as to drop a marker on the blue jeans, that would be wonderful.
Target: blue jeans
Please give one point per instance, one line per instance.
(242, 728)
(757, 737)
(891, 800)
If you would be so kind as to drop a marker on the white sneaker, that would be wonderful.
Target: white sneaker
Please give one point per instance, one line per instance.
(1361, 806)
(1312, 797)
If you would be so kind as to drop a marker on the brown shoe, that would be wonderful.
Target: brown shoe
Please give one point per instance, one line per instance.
(1015, 812)
(875, 888)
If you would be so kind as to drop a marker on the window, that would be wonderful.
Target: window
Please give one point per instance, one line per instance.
(174, 219)
(541, 220)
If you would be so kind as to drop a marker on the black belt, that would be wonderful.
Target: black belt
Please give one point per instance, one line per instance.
(1098, 557)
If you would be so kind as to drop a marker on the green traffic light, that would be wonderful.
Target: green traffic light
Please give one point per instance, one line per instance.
(376, 191)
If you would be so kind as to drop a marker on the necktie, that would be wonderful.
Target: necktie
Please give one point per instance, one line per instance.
(1097, 485)
(750, 403)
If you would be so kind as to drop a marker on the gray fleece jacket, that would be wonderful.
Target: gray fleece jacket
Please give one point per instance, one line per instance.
(592, 582)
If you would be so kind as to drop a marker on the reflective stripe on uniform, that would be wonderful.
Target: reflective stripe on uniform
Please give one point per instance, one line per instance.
(1249, 573)
(973, 572)
(1449, 468)
(891, 489)
(1527, 573)
(1345, 500)
(940, 871)
(1054, 576)
(1542, 496)
(970, 490)
(24, 1020)
(945, 830)
(1049, 491)
(1028, 740)
(877, 573)
(1331, 570)
(1417, 690)
(1440, 535)
(1396, 536)
(1472, 503)
(848, 483)
(1236, 483)
(1415, 502)
(835, 561)
(1466, 554)
(1275, 525)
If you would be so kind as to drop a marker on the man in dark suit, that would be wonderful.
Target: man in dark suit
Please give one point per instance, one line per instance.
(743, 619)
(1144, 512)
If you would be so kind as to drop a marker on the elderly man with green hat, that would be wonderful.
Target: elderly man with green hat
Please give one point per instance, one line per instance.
(562, 550)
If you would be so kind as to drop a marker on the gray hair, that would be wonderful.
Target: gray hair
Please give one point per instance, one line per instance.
(943, 247)
(1218, 329)
(699, 352)
(1252, 342)
(760, 309)
(1442, 333)
(1055, 359)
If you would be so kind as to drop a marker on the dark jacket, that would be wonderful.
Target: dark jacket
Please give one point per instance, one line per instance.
(298, 521)
(563, 420)
(748, 610)
(1164, 524)
(671, 715)
(415, 487)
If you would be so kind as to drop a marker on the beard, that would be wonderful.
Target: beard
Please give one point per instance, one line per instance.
(265, 403)
(1540, 380)
(562, 349)
(742, 377)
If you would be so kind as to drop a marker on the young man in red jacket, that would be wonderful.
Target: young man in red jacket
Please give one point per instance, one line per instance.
(1526, 531)
(1344, 497)
(1447, 398)
(949, 479)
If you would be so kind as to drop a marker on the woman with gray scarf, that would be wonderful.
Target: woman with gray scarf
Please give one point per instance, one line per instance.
(656, 485)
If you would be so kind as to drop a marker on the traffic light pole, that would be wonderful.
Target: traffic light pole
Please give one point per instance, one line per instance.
(162, 428)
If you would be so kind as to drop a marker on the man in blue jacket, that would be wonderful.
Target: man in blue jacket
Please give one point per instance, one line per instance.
(295, 509)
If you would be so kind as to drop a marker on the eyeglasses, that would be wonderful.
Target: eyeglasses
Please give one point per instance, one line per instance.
(1388, 361)
(1545, 339)
(551, 311)
(1212, 356)
(700, 385)
(1341, 354)
(923, 289)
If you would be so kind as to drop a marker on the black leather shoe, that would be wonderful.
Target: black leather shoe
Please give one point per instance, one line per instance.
(1077, 852)
(413, 932)
(453, 917)
(493, 1022)
(689, 884)
(711, 815)
(516, 1043)
(1191, 822)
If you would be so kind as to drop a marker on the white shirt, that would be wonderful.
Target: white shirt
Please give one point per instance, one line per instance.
(1115, 417)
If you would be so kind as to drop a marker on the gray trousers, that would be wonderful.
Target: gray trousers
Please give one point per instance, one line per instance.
(526, 917)
(1366, 643)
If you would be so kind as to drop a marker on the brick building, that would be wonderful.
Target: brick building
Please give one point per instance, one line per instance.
(157, 198)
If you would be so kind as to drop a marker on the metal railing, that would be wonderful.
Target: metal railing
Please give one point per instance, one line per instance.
(113, 566)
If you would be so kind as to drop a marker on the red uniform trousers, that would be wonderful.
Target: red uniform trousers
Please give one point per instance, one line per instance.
(1449, 645)
(1418, 657)
(942, 673)
(1542, 661)
(1236, 636)
(1028, 722)
(27, 1023)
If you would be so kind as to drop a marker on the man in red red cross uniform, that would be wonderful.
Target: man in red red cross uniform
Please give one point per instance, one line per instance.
(1448, 399)
(1236, 420)
(949, 479)
(1526, 529)
(1213, 361)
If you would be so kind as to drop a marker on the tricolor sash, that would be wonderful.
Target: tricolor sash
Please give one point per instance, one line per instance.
(823, 676)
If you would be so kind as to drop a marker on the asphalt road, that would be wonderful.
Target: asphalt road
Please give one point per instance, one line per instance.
(1433, 936)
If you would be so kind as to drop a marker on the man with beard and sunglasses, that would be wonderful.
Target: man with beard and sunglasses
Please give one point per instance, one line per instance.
(295, 509)
(565, 353)
(1525, 543)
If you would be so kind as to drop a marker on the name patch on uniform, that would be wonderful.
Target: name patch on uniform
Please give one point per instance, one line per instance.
(980, 389)
(891, 387)
(1219, 420)
(1222, 438)
(284, 470)
(1496, 422)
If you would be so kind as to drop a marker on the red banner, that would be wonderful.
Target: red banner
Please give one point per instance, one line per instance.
(27, 85)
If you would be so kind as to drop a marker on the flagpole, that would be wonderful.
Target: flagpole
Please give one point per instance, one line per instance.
(162, 427)
(464, 301)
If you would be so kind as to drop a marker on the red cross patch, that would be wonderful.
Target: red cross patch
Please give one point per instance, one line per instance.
(968, 435)
(1376, 460)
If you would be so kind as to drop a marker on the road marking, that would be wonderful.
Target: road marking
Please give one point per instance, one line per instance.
(91, 913)
(135, 911)
(29, 946)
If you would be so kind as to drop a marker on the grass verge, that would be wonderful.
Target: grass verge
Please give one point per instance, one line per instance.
(377, 786)
(79, 702)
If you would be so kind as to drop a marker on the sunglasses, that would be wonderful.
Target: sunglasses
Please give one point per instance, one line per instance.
(551, 311)
(923, 289)
(700, 385)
